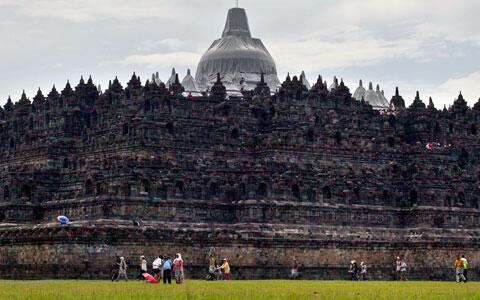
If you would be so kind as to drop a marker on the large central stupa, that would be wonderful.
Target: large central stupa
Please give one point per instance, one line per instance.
(239, 58)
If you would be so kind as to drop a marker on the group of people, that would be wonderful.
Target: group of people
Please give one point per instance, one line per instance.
(400, 269)
(461, 268)
(354, 271)
(162, 267)
(215, 270)
(119, 270)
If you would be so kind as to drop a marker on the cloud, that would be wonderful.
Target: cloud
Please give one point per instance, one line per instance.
(7, 2)
(346, 47)
(448, 91)
(393, 10)
(167, 60)
(435, 19)
(170, 43)
(442, 94)
(88, 10)
(456, 34)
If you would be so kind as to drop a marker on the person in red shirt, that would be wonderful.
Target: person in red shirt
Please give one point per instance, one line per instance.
(226, 269)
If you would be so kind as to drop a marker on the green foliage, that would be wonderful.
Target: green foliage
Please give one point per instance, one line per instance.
(241, 290)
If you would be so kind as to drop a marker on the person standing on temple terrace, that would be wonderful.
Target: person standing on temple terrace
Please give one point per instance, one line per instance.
(143, 267)
(403, 271)
(353, 270)
(156, 265)
(167, 270)
(226, 268)
(459, 268)
(178, 269)
(363, 271)
(294, 272)
(398, 266)
(465, 267)
(122, 270)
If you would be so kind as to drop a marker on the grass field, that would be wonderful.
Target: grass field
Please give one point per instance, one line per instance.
(241, 290)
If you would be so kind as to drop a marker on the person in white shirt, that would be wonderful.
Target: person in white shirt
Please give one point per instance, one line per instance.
(363, 271)
(122, 270)
(465, 267)
(403, 271)
(156, 266)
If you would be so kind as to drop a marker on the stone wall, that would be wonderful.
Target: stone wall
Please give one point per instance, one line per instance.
(69, 252)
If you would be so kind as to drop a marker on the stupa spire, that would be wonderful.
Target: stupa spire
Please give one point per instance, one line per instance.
(237, 23)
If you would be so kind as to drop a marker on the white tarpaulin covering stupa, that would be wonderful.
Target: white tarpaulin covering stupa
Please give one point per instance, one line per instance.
(171, 80)
(239, 58)
(190, 85)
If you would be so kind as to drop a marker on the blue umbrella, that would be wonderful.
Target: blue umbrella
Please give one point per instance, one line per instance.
(62, 219)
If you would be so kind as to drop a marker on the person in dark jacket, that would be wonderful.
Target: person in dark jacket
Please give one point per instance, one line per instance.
(115, 269)
(353, 270)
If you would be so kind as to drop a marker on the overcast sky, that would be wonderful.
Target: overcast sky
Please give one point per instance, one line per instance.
(426, 45)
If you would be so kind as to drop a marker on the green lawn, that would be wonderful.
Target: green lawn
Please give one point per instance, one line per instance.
(242, 290)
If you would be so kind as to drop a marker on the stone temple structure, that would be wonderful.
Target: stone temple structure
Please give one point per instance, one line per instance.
(312, 174)
(306, 172)
(239, 58)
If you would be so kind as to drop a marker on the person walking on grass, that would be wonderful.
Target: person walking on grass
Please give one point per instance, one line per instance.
(167, 270)
(363, 271)
(403, 271)
(122, 270)
(178, 269)
(353, 270)
(226, 268)
(459, 268)
(465, 267)
(114, 270)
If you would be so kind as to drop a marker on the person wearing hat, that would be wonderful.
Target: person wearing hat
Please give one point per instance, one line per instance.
(398, 267)
(122, 269)
(226, 269)
(353, 270)
(363, 271)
